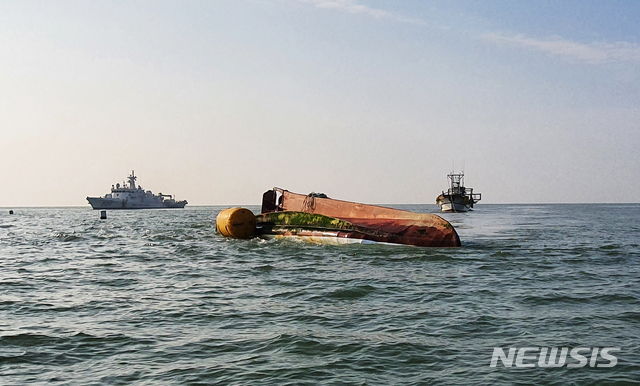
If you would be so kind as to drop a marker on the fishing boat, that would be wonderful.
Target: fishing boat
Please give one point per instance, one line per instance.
(317, 218)
(457, 198)
(130, 196)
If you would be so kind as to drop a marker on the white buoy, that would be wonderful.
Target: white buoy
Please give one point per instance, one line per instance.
(103, 215)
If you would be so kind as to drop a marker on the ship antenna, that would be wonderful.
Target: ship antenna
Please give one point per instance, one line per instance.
(132, 180)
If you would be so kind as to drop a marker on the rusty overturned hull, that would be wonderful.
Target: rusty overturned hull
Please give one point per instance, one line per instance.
(354, 221)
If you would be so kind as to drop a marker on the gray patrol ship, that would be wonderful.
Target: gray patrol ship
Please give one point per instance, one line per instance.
(130, 196)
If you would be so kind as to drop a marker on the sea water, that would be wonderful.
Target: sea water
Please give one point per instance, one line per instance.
(158, 297)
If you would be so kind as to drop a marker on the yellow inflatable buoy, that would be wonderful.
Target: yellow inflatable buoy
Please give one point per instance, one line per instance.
(236, 222)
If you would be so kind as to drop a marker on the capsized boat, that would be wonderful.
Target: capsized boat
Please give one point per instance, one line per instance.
(130, 196)
(318, 218)
(457, 198)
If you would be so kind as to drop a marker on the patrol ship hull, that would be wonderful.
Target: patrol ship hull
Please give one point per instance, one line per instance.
(114, 203)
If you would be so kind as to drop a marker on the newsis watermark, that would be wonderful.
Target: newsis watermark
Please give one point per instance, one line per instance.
(525, 357)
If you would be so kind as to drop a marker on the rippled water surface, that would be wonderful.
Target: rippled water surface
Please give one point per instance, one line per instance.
(157, 297)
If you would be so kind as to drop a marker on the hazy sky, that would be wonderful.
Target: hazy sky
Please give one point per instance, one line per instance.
(365, 100)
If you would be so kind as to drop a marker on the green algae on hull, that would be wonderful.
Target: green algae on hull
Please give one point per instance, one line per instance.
(303, 219)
